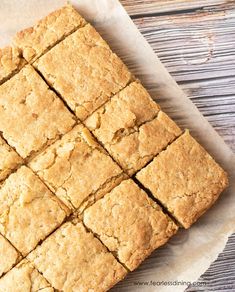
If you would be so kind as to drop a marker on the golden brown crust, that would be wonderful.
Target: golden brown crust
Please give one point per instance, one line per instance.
(31, 115)
(9, 159)
(24, 278)
(72, 259)
(132, 128)
(34, 41)
(129, 223)
(185, 179)
(11, 62)
(84, 71)
(77, 169)
(8, 254)
(28, 210)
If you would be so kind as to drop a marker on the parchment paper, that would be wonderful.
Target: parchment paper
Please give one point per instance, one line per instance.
(189, 253)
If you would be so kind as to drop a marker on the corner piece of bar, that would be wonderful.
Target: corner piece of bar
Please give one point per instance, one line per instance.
(36, 40)
(185, 179)
(129, 223)
(77, 169)
(84, 71)
(132, 127)
(9, 159)
(24, 278)
(11, 62)
(72, 259)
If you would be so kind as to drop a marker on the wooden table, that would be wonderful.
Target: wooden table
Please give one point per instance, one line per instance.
(196, 42)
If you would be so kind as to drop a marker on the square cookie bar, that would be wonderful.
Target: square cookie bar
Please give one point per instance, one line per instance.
(11, 62)
(84, 71)
(31, 115)
(132, 128)
(28, 210)
(9, 159)
(77, 169)
(24, 278)
(36, 40)
(129, 223)
(9, 256)
(185, 179)
(72, 259)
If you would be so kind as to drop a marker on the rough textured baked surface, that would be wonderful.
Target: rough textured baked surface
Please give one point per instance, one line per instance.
(129, 223)
(84, 71)
(132, 128)
(9, 159)
(28, 210)
(72, 259)
(9, 256)
(31, 115)
(24, 278)
(77, 169)
(185, 179)
(34, 41)
(10, 62)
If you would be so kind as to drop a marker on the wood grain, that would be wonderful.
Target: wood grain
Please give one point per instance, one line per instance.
(196, 42)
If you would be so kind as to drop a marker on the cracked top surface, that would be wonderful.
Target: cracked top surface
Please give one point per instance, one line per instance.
(135, 150)
(31, 115)
(10, 62)
(76, 167)
(121, 115)
(72, 259)
(8, 254)
(9, 159)
(185, 179)
(132, 128)
(28, 210)
(34, 41)
(84, 71)
(129, 223)
(24, 278)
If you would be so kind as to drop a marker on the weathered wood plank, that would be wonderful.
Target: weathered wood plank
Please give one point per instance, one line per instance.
(139, 7)
(198, 48)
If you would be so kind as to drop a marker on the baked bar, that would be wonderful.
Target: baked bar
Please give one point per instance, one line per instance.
(72, 259)
(11, 62)
(77, 169)
(31, 115)
(24, 278)
(129, 223)
(36, 40)
(84, 71)
(28, 210)
(132, 128)
(185, 179)
(9, 256)
(9, 159)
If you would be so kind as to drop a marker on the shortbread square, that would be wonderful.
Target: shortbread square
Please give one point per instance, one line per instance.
(31, 115)
(77, 169)
(129, 223)
(28, 210)
(72, 259)
(84, 71)
(185, 179)
(132, 127)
